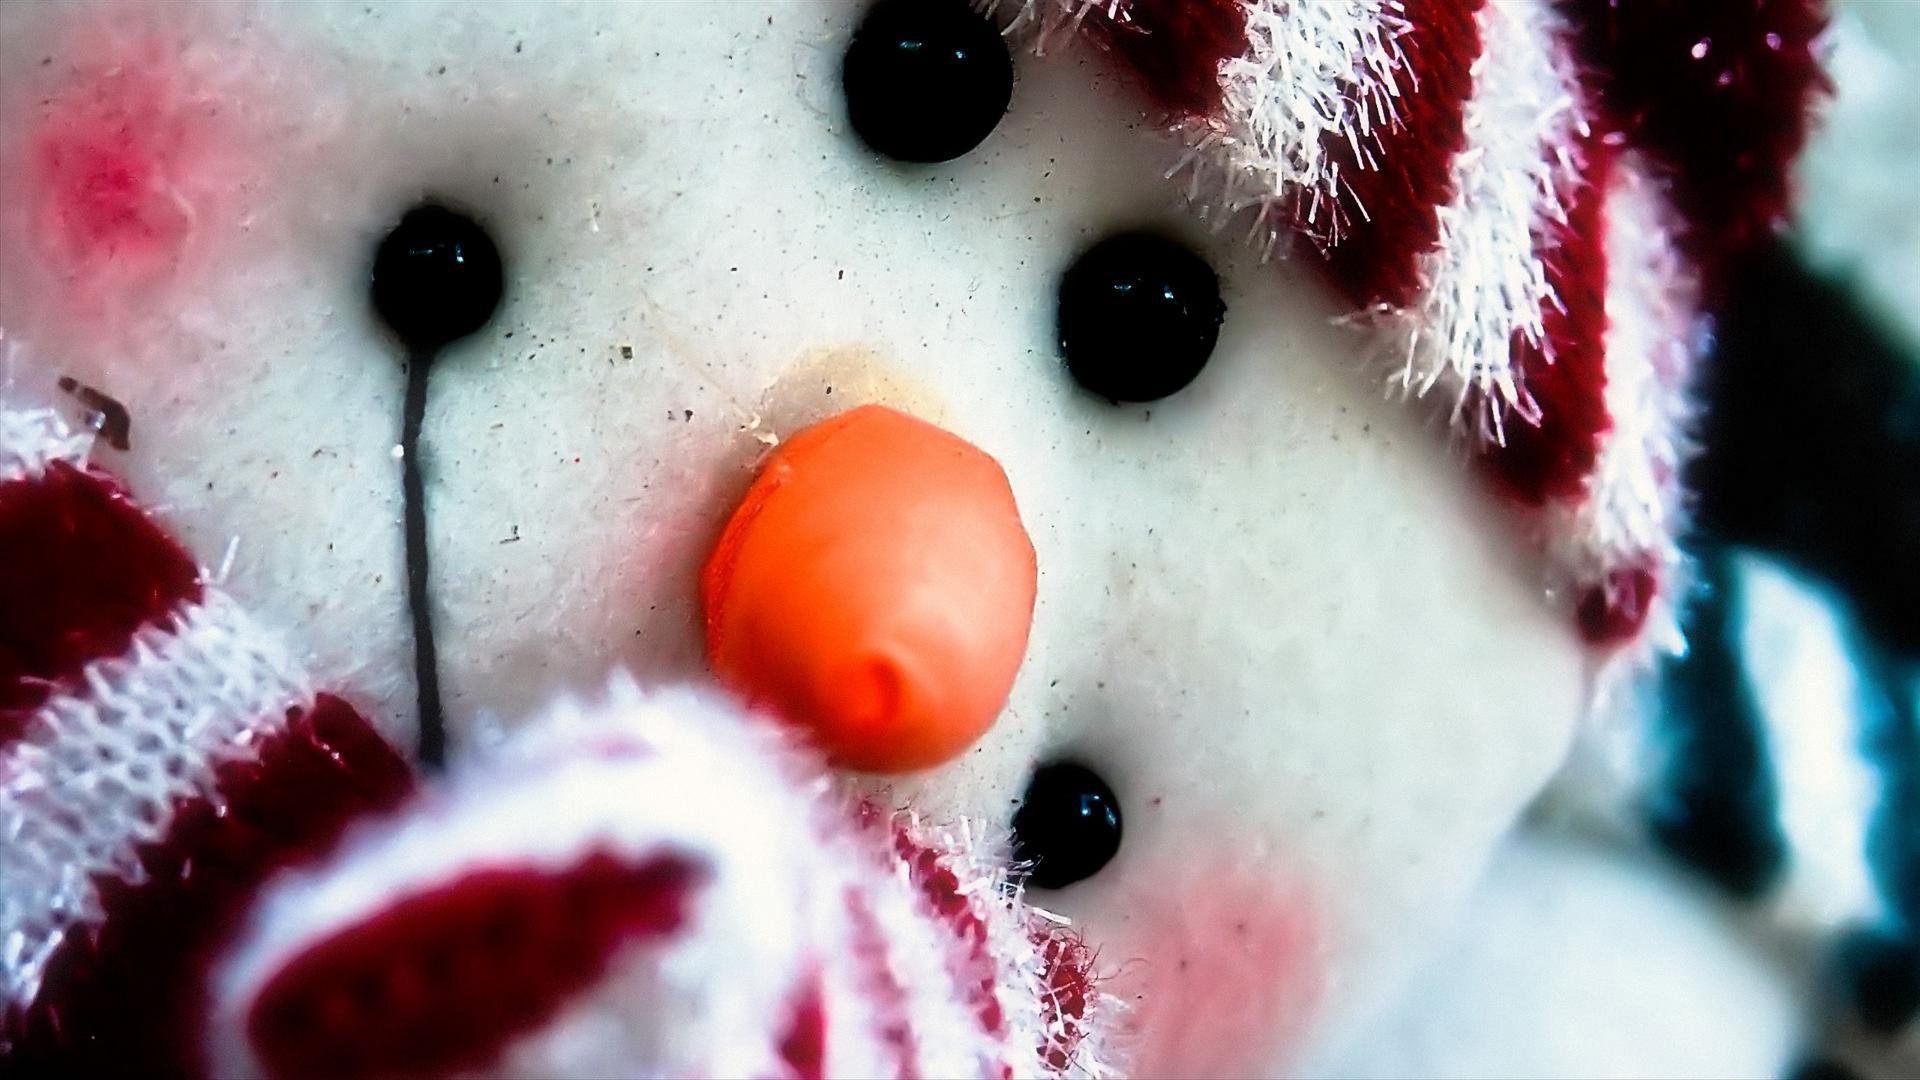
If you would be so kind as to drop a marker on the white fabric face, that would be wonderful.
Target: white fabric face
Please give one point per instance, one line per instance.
(1273, 610)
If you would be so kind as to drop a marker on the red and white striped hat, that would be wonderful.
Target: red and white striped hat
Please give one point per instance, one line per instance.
(1528, 201)
(214, 868)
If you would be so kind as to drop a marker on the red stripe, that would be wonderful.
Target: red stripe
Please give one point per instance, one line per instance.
(1068, 963)
(1552, 460)
(1720, 91)
(945, 894)
(804, 1046)
(81, 569)
(129, 999)
(443, 981)
(1177, 47)
(1613, 612)
(1390, 214)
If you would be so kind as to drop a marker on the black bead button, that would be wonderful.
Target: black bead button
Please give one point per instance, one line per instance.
(926, 80)
(436, 278)
(1139, 315)
(1068, 826)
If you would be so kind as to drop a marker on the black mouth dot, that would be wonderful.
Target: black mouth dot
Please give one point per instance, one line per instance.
(1068, 825)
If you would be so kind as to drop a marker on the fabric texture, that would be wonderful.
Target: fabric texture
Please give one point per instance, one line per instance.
(1529, 203)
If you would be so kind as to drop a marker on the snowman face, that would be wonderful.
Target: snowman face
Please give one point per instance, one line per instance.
(1273, 613)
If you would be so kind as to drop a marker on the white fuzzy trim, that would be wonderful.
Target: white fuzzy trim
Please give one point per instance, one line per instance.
(97, 774)
(1313, 71)
(1486, 281)
(1045, 22)
(32, 439)
(1633, 510)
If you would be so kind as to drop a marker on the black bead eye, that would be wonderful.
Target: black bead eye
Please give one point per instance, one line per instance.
(1139, 315)
(436, 278)
(926, 80)
(1067, 827)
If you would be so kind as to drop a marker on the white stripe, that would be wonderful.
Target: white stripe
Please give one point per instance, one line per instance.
(1046, 21)
(1486, 282)
(1315, 72)
(96, 774)
(1809, 699)
(32, 439)
(1632, 510)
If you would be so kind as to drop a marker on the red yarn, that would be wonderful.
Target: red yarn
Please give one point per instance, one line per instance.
(441, 982)
(1390, 215)
(128, 999)
(1067, 962)
(81, 569)
(804, 1048)
(1720, 91)
(1613, 612)
(1177, 47)
(1069, 987)
(1552, 459)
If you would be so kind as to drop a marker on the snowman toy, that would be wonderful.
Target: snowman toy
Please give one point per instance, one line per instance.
(827, 538)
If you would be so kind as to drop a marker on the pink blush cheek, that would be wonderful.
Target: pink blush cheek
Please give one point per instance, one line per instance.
(136, 157)
(1224, 973)
(103, 163)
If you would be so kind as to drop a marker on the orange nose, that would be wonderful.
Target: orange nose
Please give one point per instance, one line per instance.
(875, 587)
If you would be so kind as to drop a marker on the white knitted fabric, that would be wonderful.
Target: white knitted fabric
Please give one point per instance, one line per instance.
(97, 774)
(1312, 72)
(97, 770)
